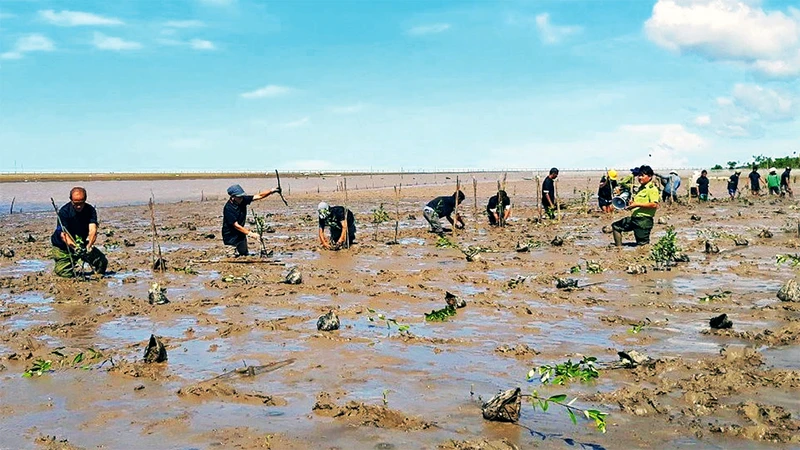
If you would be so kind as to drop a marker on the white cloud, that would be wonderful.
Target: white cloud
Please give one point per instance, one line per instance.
(433, 28)
(103, 42)
(348, 109)
(200, 44)
(724, 101)
(77, 18)
(730, 30)
(268, 91)
(553, 34)
(184, 24)
(296, 123)
(27, 44)
(702, 121)
(767, 103)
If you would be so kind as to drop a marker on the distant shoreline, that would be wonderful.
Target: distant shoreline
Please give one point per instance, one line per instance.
(152, 176)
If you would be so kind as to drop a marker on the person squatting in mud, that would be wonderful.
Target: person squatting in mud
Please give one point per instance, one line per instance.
(643, 207)
(493, 211)
(75, 235)
(234, 216)
(549, 194)
(444, 207)
(342, 224)
(605, 191)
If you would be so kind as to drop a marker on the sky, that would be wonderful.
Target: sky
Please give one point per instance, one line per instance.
(219, 85)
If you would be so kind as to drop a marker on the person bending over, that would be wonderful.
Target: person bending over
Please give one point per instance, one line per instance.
(443, 207)
(234, 216)
(493, 211)
(75, 236)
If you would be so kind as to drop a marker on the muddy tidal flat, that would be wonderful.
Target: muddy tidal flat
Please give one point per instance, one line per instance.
(247, 367)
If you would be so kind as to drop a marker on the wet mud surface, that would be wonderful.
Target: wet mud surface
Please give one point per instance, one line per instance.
(247, 368)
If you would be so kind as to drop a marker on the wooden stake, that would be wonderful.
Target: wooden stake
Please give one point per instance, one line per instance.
(11, 211)
(455, 211)
(475, 195)
(538, 203)
(558, 203)
(397, 211)
(156, 246)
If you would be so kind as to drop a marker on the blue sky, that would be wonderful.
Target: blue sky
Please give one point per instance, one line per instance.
(385, 85)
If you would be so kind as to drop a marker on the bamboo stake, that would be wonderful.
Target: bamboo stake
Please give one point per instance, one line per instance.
(455, 211)
(397, 212)
(538, 203)
(346, 238)
(475, 195)
(157, 263)
(558, 203)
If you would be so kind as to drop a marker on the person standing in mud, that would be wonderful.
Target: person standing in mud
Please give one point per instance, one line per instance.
(493, 212)
(733, 184)
(755, 181)
(643, 209)
(444, 207)
(549, 193)
(234, 216)
(773, 182)
(702, 186)
(671, 184)
(785, 189)
(75, 236)
(605, 192)
(342, 224)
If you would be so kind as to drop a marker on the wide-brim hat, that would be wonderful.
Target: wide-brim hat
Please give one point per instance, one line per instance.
(236, 191)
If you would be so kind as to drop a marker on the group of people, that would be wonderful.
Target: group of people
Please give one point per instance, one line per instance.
(76, 231)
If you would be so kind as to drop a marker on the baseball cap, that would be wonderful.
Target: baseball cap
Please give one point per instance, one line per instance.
(635, 171)
(236, 191)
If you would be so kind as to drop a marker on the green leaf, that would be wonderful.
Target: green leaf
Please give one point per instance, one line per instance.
(27, 375)
(558, 398)
(572, 416)
(78, 358)
(545, 405)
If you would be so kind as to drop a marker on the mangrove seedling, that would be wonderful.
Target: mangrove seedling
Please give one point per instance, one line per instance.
(440, 315)
(636, 328)
(38, 368)
(379, 216)
(443, 242)
(716, 295)
(598, 417)
(389, 321)
(563, 373)
(792, 260)
(665, 250)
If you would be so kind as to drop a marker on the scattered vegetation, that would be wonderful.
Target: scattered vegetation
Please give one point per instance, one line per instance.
(598, 417)
(792, 260)
(636, 328)
(717, 295)
(443, 242)
(566, 372)
(389, 321)
(38, 368)
(666, 249)
(440, 315)
(379, 216)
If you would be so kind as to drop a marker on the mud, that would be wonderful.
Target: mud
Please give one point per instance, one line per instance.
(400, 381)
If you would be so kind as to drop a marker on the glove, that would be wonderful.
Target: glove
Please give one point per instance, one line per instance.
(253, 235)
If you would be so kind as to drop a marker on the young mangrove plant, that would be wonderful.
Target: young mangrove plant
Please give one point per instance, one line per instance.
(402, 329)
(665, 250)
(443, 242)
(792, 260)
(39, 368)
(717, 295)
(638, 327)
(440, 315)
(566, 372)
(379, 216)
(598, 417)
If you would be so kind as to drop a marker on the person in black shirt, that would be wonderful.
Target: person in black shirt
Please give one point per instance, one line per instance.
(702, 185)
(234, 216)
(606, 189)
(342, 224)
(492, 210)
(75, 236)
(785, 189)
(549, 193)
(443, 207)
(755, 181)
(733, 184)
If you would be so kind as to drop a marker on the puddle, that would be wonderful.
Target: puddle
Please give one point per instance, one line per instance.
(25, 266)
(787, 358)
(138, 329)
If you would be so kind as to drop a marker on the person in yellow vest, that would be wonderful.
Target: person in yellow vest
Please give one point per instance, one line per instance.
(643, 207)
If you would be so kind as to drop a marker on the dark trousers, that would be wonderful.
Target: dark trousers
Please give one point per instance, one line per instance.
(640, 225)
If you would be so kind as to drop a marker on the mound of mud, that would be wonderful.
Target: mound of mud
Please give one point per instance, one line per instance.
(361, 414)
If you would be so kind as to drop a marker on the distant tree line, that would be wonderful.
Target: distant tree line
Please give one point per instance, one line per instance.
(763, 161)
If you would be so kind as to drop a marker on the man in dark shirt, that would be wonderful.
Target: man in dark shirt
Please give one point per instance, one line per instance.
(733, 184)
(342, 224)
(605, 191)
(755, 181)
(549, 193)
(702, 185)
(234, 216)
(785, 189)
(75, 235)
(495, 213)
(443, 207)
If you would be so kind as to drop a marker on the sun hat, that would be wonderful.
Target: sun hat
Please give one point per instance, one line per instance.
(236, 191)
(772, 169)
(672, 172)
(323, 210)
(612, 174)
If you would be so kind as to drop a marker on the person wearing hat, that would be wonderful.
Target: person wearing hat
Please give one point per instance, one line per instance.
(773, 181)
(75, 236)
(497, 205)
(755, 181)
(643, 208)
(671, 184)
(342, 224)
(626, 183)
(785, 189)
(444, 206)
(606, 189)
(733, 183)
(234, 217)
(549, 193)
(702, 186)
